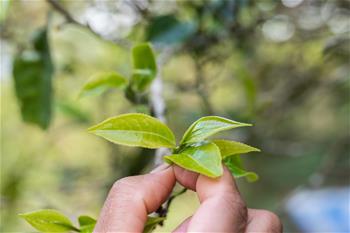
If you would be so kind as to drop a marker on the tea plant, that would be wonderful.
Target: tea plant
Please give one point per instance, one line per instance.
(196, 151)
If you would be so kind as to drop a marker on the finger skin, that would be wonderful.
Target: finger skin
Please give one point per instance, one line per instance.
(132, 198)
(263, 221)
(186, 178)
(222, 208)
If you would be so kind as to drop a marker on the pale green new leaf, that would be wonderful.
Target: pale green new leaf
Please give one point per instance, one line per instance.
(204, 159)
(48, 221)
(152, 223)
(101, 82)
(228, 148)
(207, 126)
(145, 66)
(234, 164)
(135, 129)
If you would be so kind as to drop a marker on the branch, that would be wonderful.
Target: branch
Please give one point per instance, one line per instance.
(201, 88)
(70, 19)
(157, 102)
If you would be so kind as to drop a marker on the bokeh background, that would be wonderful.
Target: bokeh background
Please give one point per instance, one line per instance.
(281, 65)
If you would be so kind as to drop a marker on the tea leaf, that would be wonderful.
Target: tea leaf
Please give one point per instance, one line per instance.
(207, 126)
(101, 82)
(234, 164)
(228, 148)
(145, 67)
(204, 159)
(32, 73)
(86, 220)
(48, 221)
(135, 129)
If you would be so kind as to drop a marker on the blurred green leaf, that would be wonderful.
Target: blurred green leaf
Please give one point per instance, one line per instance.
(167, 29)
(144, 67)
(48, 221)
(86, 220)
(338, 48)
(207, 126)
(234, 164)
(73, 111)
(152, 223)
(228, 148)
(101, 82)
(204, 159)
(32, 73)
(135, 129)
(86, 223)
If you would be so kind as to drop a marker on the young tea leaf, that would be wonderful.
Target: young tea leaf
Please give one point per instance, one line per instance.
(87, 228)
(204, 159)
(145, 67)
(135, 129)
(152, 223)
(87, 224)
(101, 82)
(48, 221)
(86, 220)
(32, 73)
(207, 126)
(228, 148)
(234, 164)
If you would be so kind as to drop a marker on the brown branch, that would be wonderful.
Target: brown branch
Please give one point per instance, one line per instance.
(71, 20)
(201, 88)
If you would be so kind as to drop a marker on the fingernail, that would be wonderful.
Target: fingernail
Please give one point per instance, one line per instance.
(160, 168)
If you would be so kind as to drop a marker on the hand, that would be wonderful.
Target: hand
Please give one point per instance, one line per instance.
(222, 208)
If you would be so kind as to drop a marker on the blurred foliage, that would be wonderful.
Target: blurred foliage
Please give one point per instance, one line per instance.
(32, 72)
(282, 67)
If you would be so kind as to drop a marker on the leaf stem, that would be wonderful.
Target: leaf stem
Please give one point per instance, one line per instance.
(164, 209)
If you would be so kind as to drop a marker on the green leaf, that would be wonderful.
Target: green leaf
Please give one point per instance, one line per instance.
(204, 158)
(167, 29)
(49, 221)
(101, 82)
(86, 220)
(87, 228)
(152, 223)
(86, 223)
(135, 129)
(207, 126)
(145, 67)
(32, 73)
(234, 164)
(228, 148)
(73, 111)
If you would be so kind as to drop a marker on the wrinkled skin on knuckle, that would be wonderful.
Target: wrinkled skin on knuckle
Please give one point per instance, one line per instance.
(274, 222)
(125, 190)
(237, 207)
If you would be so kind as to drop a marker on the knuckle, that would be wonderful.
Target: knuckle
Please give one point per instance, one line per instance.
(236, 206)
(273, 221)
(124, 188)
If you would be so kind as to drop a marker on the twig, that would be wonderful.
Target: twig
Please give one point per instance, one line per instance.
(201, 88)
(157, 102)
(70, 19)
